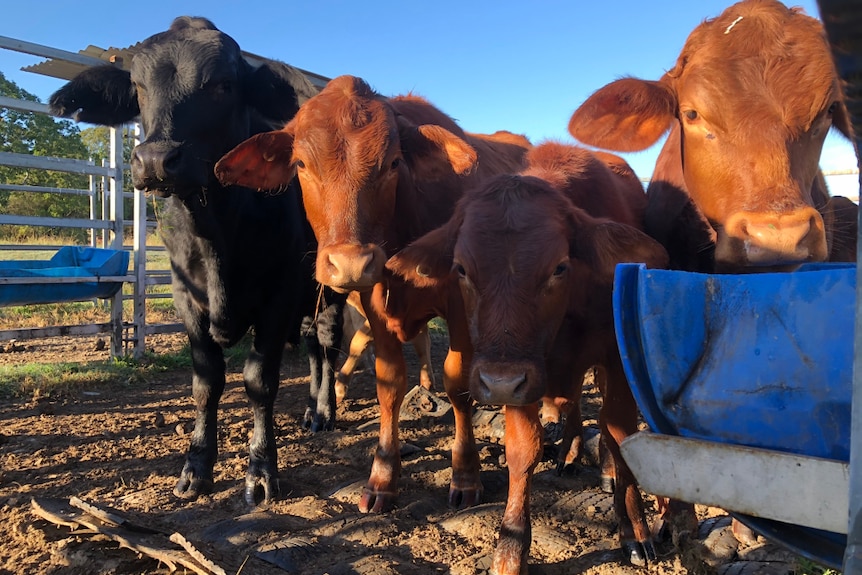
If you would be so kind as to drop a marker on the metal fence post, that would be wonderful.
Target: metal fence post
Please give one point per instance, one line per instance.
(139, 296)
(116, 189)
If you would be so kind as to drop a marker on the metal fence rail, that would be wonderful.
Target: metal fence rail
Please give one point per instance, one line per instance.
(106, 224)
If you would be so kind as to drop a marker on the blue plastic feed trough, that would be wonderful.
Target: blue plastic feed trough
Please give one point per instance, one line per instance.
(760, 360)
(68, 262)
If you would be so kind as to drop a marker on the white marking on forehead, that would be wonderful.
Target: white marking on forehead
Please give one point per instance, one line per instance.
(732, 24)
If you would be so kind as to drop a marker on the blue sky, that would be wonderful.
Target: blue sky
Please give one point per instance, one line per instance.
(491, 65)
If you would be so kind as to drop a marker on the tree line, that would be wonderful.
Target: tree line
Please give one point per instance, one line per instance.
(42, 135)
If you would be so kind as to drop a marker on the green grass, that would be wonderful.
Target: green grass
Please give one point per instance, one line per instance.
(35, 380)
(807, 567)
(438, 325)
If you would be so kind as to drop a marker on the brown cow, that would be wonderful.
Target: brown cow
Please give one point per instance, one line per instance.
(533, 257)
(376, 173)
(736, 186)
(748, 104)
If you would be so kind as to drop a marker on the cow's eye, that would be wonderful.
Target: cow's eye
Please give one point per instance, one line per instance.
(395, 163)
(561, 269)
(300, 164)
(459, 269)
(691, 115)
(222, 88)
(833, 108)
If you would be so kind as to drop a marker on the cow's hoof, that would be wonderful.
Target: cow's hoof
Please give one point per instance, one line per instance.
(191, 487)
(307, 418)
(608, 483)
(260, 490)
(373, 501)
(463, 498)
(340, 388)
(321, 423)
(639, 554)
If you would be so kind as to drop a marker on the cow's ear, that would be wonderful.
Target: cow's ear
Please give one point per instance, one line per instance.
(627, 115)
(461, 155)
(427, 261)
(101, 95)
(603, 244)
(263, 162)
(276, 91)
(423, 145)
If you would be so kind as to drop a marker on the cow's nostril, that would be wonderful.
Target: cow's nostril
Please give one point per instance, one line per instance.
(171, 161)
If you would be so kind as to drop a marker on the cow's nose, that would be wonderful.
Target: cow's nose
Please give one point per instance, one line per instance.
(774, 239)
(351, 267)
(153, 164)
(502, 389)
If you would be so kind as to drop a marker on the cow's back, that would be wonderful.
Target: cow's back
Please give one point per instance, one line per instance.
(600, 183)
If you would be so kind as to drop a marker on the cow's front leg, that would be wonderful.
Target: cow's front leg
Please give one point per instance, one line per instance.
(260, 374)
(466, 487)
(382, 488)
(208, 383)
(523, 452)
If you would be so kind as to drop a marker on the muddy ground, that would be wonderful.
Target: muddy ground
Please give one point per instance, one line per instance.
(121, 448)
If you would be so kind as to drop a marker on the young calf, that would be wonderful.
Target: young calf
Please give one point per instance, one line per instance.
(532, 256)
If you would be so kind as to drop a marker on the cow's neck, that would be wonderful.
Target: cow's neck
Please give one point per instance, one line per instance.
(195, 238)
(421, 208)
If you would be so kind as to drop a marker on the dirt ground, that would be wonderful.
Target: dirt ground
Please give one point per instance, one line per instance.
(121, 448)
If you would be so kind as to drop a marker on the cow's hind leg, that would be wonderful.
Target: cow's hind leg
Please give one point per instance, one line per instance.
(422, 345)
(323, 334)
(208, 381)
(358, 344)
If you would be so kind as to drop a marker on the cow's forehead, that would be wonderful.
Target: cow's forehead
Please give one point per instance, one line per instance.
(757, 64)
(522, 222)
(343, 133)
(199, 54)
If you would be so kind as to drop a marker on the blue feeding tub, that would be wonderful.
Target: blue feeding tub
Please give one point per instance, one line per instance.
(69, 262)
(758, 360)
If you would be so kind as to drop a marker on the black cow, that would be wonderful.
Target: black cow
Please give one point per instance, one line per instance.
(238, 258)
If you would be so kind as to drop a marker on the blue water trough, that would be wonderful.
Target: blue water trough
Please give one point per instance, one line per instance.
(72, 274)
(746, 383)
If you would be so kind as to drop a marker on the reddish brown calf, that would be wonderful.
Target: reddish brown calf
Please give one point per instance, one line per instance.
(532, 256)
(748, 105)
(376, 173)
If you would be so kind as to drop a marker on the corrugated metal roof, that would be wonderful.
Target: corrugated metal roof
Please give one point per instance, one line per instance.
(65, 70)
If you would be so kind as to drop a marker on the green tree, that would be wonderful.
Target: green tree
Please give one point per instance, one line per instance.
(39, 135)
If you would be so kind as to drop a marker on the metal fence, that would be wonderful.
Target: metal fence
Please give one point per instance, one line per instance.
(106, 224)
